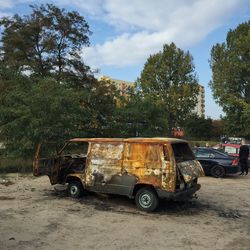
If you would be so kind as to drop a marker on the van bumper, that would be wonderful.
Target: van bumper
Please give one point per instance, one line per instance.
(178, 195)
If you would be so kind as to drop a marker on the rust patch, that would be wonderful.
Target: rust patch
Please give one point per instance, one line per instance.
(117, 165)
(104, 161)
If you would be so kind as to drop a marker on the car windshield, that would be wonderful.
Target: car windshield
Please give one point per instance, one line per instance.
(231, 150)
(182, 152)
(209, 153)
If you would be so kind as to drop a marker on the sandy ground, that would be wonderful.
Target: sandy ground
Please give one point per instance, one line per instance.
(36, 215)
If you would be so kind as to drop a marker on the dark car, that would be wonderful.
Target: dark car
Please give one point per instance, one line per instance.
(216, 163)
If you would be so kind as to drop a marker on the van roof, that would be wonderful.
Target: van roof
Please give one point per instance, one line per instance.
(135, 139)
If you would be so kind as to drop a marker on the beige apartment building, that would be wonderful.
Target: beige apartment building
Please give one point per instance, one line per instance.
(200, 106)
(124, 86)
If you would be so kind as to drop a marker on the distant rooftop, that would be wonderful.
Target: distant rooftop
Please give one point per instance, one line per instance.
(116, 80)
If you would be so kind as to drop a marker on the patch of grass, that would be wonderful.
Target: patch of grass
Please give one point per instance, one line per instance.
(15, 165)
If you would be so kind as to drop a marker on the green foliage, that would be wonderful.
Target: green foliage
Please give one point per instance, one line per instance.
(99, 104)
(47, 92)
(198, 128)
(218, 129)
(230, 63)
(46, 43)
(138, 116)
(169, 81)
(34, 112)
(12, 165)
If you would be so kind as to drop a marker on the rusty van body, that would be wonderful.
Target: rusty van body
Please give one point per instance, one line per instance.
(142, 168)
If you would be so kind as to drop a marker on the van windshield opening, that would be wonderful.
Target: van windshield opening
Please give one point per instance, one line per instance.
(182, 152)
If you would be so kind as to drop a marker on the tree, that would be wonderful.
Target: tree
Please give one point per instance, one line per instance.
(218, 129)
(47, 92)
(138, 116)
(169, 81)
(33, 113)
(47, 42)
(230, 64)
(198, 128)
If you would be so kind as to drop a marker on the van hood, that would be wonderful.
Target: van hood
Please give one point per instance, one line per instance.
(190, 170)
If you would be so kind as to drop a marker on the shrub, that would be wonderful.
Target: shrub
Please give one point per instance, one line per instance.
(13, 165)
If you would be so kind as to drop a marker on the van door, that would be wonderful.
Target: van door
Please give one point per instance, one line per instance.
(168, 168)
(46, 161)
(190, 168)
(104, 168)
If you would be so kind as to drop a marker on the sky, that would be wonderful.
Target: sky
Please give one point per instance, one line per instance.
(127, 32)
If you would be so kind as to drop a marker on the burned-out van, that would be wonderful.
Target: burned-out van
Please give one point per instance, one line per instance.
(145, 169)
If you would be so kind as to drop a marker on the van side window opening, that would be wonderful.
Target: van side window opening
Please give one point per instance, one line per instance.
(182, 152)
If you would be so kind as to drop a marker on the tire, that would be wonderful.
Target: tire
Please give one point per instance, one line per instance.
(75, 189)
(217, 171)
(146, 199)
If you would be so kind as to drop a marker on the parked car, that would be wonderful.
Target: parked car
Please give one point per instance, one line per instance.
(232, 150)
(215, 162)
(145, 169)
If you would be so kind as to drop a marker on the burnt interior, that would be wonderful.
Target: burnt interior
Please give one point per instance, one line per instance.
(71, 159)
(182, 152)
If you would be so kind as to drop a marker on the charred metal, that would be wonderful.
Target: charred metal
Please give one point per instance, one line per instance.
(162, 167)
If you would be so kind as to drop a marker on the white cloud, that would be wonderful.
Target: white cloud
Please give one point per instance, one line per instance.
(5, 4)
(150, 24)
(92, 7)
(145, 25)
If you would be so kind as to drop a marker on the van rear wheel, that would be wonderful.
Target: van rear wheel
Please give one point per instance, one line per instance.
(75, 189)
(146, 199)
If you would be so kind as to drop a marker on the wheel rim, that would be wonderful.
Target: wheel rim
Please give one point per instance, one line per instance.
(145, 200)
(218, 171)
(73, 190)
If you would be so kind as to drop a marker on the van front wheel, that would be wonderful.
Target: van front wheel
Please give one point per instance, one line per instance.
(75, 189)
(146, 199)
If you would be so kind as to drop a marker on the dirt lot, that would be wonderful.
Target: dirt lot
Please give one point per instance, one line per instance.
(35, 215)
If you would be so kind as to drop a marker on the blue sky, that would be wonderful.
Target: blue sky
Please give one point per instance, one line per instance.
(126, 32)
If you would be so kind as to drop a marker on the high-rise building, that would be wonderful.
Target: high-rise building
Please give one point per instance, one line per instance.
(124, 86)
(200, 106)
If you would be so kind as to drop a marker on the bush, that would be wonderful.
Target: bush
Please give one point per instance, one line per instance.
(14, 165)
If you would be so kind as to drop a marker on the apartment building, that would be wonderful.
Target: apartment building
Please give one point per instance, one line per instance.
(123, 87)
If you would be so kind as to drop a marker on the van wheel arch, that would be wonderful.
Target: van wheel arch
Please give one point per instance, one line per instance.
(139, 186)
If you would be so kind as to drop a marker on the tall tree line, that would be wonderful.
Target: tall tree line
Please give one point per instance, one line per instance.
(230, 64)
(48, 93)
